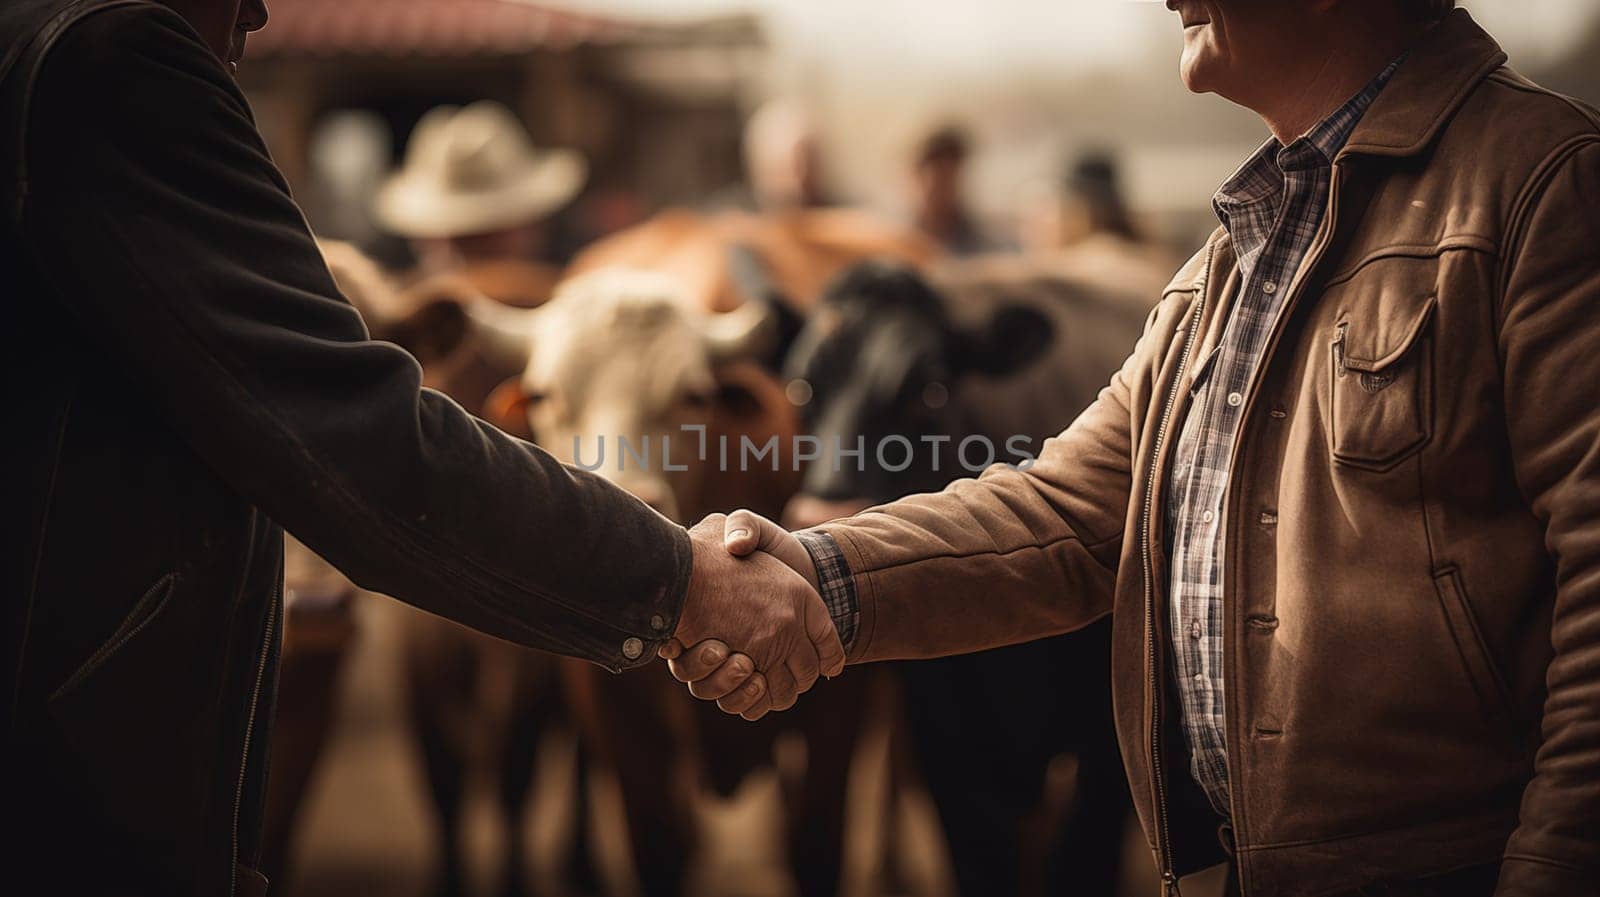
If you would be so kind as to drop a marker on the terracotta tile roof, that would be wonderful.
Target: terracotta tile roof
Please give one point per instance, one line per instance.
(424, 27)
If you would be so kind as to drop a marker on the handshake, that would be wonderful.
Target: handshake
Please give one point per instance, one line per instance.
(754, 633)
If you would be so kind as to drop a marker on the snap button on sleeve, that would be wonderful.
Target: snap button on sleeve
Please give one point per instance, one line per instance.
(632, 648)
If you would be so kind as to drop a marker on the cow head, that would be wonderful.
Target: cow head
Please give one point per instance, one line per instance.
(881, 358)
(617, 365)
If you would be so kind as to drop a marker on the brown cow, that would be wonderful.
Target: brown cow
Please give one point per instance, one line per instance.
(629, 354)
(803, 250)
(622, 370)
(648, 731)
(785, 260)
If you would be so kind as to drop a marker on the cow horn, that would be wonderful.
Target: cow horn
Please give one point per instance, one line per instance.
(507, 331)
(745, 332)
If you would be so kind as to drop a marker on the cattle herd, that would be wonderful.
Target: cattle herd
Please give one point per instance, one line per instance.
(668, 358)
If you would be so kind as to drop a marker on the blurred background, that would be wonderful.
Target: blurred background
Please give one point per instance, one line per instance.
(1022, 177)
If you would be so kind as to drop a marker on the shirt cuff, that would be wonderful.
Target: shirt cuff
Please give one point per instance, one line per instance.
(835, 582)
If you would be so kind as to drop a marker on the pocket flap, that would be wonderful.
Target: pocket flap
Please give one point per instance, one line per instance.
(1372, 345)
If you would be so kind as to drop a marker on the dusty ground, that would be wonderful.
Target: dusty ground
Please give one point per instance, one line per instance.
(366, 828)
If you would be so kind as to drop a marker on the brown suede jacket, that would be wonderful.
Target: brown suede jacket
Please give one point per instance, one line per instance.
(1413, 623)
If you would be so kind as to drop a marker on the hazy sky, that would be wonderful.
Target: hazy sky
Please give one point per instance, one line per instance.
(1036, 80)
(1066, 32)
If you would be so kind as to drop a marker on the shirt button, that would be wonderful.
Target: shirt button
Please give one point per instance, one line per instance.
(632, 648)
(1270, 287)
(1208, 516)
(1194, 630)
(1235, 399)
(1199, 677)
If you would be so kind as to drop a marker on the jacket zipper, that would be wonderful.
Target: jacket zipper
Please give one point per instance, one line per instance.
(1338, 350)
(1169, 879)
(250, 727)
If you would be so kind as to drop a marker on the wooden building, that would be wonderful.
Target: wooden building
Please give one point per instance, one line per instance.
(657, 108)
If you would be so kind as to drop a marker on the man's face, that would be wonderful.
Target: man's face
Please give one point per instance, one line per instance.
(1231, 47)
(223, 24)
(939, 184)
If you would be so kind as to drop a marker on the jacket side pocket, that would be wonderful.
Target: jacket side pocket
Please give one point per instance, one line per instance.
(146, 609)
(1486, 680)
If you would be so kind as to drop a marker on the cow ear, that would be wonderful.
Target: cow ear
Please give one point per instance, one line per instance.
(1015, 337)
(507, 408)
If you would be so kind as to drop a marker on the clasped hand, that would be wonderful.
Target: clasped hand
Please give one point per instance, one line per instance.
(754, 634)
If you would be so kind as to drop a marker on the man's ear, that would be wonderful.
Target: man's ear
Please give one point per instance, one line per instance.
(1015, 337)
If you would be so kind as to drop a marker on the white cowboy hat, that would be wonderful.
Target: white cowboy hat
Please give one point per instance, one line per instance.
(474, 170)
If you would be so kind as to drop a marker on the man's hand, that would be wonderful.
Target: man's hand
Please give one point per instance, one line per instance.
(761, 606)
(746, 532)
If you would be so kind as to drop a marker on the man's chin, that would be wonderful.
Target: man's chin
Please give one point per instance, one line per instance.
(1197, 71)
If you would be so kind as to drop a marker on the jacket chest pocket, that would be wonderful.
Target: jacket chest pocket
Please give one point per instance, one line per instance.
(1382, 396)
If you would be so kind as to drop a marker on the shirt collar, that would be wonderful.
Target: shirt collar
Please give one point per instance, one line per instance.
(1262, 173)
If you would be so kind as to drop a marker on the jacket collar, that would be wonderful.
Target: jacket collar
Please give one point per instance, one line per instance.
(1441, 71)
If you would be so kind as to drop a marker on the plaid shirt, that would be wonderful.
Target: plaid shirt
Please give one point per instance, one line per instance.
(837, 586)
(1272, 208)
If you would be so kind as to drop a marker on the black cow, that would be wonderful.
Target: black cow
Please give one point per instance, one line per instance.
(882, 357)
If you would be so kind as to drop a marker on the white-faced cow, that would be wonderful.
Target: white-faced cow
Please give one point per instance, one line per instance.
(633, 357)
(623, 356)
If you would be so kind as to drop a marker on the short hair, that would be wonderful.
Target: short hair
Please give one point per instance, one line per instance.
(1427, 10)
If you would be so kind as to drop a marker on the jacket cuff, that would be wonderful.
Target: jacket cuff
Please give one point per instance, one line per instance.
(662, 610)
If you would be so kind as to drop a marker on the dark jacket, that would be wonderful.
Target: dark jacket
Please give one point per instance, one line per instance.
(182, 379)
(1413, 518)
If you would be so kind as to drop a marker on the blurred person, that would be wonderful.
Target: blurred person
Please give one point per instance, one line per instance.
(938, 177)
(1081, 225)
(783, 159)
(191, 381)
(473, 195)
(1341, 501)
(1089, 203)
